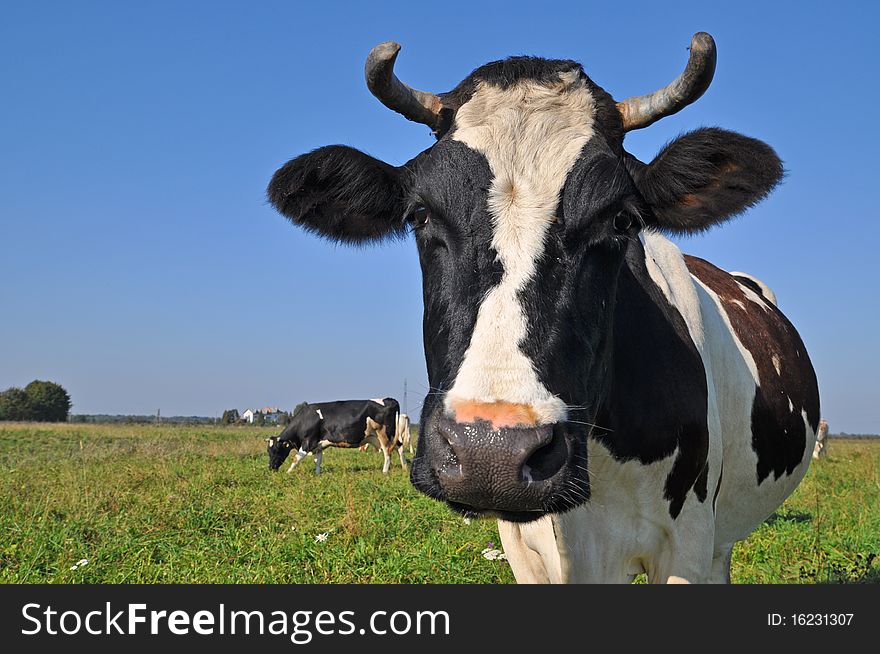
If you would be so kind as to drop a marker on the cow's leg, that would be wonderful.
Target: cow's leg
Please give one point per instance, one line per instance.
(527, 565)
(402, 458)
(687, 555)
(721, 565)
(299, 457)
(371, 440)
(376, 434)
(382, 435)
(319, 456)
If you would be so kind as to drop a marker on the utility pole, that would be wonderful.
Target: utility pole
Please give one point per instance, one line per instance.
(158, 416)
(404, 396)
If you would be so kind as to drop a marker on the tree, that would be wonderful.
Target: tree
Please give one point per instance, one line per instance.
(230, 417)
(15, 404)
(50, 402)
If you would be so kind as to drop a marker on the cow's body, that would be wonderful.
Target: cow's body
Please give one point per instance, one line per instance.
(618, 406)
(343, 423)
(731, 471)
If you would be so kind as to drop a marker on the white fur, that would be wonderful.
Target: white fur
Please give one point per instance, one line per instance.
(300, 455)
(531, 135)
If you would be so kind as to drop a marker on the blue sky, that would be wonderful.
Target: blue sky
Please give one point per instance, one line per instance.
(142, 268)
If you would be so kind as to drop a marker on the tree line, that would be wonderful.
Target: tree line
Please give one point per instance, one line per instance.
(39, 401)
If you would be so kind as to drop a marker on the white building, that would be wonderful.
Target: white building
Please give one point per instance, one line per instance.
(270, 414)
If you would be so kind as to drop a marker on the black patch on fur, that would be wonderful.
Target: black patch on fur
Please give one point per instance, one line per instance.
(750, 283)
(717, 486)
(705, 177)
(459, 266)
(657, 399)
(341, 194)
(568, 302)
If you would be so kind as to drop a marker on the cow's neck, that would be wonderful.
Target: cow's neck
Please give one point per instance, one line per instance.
(656, 400)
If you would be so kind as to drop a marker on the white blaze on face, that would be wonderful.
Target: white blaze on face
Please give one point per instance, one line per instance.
(532, 135)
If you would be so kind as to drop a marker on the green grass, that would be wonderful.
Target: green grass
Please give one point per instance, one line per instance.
(828, 531)
(167, 504)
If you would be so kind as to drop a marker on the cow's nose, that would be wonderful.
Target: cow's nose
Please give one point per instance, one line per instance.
(500, 468)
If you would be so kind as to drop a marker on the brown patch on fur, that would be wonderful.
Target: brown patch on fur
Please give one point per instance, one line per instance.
(345, 445)
(778, 433)
(499, 414)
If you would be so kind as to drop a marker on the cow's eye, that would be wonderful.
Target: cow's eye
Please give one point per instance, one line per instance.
(623, 221)
(420, 215)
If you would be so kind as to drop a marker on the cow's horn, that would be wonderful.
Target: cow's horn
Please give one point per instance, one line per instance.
(640, 111)
(418, 106)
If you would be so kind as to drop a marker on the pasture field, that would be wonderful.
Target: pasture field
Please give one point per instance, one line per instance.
(197, 504)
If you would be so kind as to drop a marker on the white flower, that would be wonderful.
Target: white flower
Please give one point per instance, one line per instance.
(79, 564)
(320, 538)
(467, 520)
(493, 554)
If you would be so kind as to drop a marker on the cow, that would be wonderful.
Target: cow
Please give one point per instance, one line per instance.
(404, 435)
(820, 449)
(619, 407)
(343, 423)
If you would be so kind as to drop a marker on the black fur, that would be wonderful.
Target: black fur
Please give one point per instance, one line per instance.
(342, 194)
(705, 177)
(656, 397)
(457, 260)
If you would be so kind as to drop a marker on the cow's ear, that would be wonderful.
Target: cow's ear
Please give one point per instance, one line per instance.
(705, 177)
(342, 194)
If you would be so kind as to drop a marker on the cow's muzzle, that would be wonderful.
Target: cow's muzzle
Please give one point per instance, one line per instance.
(515, 473)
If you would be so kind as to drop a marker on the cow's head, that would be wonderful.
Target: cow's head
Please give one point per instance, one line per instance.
(522, 212)
(279, 450)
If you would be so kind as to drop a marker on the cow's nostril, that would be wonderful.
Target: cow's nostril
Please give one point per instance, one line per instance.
(547, 460)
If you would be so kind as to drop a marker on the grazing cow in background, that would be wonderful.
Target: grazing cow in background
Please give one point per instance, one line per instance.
(404, 434)
(344, 423)
(618, 406)
(821, 448)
